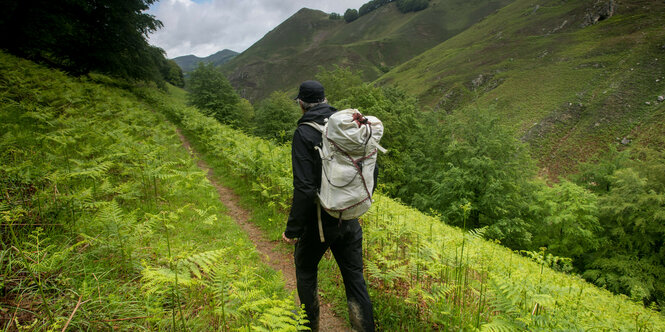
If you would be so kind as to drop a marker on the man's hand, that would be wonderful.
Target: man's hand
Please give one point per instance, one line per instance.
(289, 241)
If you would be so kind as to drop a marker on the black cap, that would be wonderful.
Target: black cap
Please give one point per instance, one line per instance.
(311, 92)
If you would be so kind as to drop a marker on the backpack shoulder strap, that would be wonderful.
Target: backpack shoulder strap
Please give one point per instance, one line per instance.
(318, 128)
(314, 125)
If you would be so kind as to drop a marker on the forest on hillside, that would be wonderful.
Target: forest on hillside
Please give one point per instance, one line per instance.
(108, 223)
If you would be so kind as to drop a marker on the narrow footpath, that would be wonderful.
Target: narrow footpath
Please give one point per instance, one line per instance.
(269, 250)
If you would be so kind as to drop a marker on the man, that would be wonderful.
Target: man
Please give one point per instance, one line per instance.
(343, 238)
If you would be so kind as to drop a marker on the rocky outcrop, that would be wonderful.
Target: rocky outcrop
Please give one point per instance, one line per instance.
(600, 11)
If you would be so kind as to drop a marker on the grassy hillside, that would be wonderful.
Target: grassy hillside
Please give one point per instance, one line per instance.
(568, 88)
(373, 44)
(106, 222)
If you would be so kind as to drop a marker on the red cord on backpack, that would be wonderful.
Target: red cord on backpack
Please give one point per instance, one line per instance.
(359, 119)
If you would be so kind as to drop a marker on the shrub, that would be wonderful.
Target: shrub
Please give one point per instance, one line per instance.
(350, 15)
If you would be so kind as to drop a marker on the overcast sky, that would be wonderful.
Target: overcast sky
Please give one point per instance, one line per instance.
(203, 27)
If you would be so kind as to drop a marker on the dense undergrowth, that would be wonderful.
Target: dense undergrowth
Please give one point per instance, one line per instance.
(107, 223)
(422, 274)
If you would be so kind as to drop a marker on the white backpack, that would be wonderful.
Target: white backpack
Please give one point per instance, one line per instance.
(348, 155)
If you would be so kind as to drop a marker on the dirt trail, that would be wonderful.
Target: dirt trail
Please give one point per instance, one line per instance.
(269, 250)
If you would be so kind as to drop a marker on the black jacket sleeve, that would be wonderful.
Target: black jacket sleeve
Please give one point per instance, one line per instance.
(304, 162)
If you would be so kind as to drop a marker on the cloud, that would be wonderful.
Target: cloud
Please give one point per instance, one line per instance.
(204, 27)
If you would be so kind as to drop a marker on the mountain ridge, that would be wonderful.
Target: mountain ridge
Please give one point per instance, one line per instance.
(189, 62)
(373, 44)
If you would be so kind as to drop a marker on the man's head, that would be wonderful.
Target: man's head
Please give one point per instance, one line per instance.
(311, 92)
(310, 95)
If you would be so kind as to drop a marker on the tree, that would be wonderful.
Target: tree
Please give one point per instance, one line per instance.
(211, 92)
(245, 115)
(338, 82)
(633, 216)
(406, 6)
(83, 36)
(371, 6)
(276, 117)
(566, 220)
(485, 166)
(350, 15)
(172, 73)
(335, 16)
(365, 9)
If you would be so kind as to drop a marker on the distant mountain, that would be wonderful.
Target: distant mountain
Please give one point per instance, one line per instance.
(373, 44)
(189, 62)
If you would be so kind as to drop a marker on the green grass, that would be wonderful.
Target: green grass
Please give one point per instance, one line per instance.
(106, 219)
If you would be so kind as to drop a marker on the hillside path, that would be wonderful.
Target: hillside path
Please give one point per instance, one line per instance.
(269, 250)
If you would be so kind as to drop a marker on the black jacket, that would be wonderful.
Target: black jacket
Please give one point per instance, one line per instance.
(306, 164)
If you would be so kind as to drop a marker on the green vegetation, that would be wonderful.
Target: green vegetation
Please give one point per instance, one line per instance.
(451, 279)
(406, 6)
(631, 190)
(84, 36)
(371, 6)
(276, 117)
(172, 73)
(211, 92)
(350, 15)
(107, 223)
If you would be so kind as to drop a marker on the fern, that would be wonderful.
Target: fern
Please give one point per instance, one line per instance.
(202, 263)
(161, 280)
(507, 297)
(477, 233)
(500, 325)
(95, 171)
(205, 218)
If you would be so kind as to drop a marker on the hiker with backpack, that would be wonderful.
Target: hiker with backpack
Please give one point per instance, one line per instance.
(333, 154)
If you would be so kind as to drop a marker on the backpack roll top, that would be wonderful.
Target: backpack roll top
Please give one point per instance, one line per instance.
(353, 132)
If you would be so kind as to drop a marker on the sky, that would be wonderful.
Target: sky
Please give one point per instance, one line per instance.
(204, 27)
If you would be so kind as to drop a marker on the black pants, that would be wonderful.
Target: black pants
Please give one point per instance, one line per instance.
(345, 242)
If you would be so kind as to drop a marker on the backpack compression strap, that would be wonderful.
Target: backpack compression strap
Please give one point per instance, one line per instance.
(318, 128)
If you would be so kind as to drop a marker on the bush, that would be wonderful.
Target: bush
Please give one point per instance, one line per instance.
(211, 92)
(406, 6)
(350, 15)
(276, 117)
(371, 6)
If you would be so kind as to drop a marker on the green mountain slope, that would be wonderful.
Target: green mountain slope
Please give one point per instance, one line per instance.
(189, 62)
(374, 43)
(569, 87)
